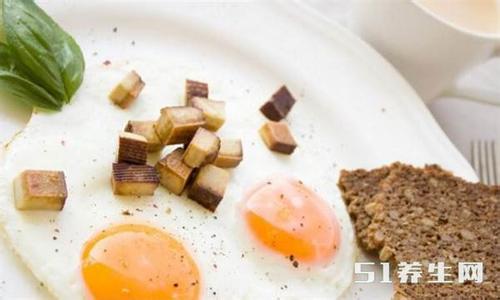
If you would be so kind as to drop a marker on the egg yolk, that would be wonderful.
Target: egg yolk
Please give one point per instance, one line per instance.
(290, 219)
(138, 262)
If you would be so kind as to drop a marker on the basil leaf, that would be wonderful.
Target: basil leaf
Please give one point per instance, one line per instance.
(49, 55)
(14, 85)
(2, 33)
(9, 62)
(17, 88)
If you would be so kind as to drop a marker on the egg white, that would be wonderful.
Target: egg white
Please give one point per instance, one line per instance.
(82, 141)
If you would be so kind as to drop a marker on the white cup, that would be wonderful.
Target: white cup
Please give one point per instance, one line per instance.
(429, 51)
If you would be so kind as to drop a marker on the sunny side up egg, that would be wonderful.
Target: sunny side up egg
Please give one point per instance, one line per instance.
(289, 218)
(134, 261)
(286, 239)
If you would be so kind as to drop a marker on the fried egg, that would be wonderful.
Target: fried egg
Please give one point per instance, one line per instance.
(272, 236)
(290, 219)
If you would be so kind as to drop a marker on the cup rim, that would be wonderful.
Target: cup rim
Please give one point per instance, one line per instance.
(473, 33)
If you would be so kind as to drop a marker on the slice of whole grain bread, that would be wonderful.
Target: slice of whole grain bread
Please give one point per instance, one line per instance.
(428, 216)
(358, 187)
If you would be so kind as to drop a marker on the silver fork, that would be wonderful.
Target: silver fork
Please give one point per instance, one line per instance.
(483, 157)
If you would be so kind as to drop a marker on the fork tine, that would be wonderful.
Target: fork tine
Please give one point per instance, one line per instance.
(480, 162)
(494, 161)
(483, 158)
(487, 163)
(474, 158)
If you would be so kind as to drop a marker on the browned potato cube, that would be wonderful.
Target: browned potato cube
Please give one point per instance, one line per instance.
(195, 89)
(134, 180)
(177, 125)
(147, 130)
(174, 173)
(203, 148)
(230, 153)
(127, 90)
(213, 111)
(40, 190)
(133, 148)
(277, 137)
(209, 186)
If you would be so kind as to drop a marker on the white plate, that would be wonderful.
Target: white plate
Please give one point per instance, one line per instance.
(375, 118)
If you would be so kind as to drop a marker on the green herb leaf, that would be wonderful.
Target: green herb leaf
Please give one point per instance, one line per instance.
(14, 85)
(47, 53)
(20, 89)
(2, 33)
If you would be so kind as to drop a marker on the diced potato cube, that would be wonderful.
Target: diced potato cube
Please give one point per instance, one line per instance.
(174, 173)
(177, 125)
(195, 89)
(134, 180)
(203, 148)
(230, 153)
(213, 111)
(209, 186)
(127, 90)
(40, 190)
(277, 137)
(133, 148)
(147, 130)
